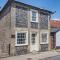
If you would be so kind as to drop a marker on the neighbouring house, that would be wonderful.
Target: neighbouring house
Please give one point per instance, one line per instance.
(24, 28)
(55, 34)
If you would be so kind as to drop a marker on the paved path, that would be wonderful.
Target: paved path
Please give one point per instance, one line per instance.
(52, 58)
(31, 56)
(55, 58)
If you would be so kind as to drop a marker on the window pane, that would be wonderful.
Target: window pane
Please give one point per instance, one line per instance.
(33, 35)
(21, 37)
(33, 19)
(33, 16)
(18, 41)
(33, 38)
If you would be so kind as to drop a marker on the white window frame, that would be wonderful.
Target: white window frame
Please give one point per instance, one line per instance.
(36, 15)
(26, 38)
(41, 38)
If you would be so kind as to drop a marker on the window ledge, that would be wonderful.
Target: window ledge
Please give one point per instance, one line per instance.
(35, 21)
(21, 44)
(44, 43)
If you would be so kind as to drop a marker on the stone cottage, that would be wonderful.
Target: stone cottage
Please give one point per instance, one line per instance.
(24, 28)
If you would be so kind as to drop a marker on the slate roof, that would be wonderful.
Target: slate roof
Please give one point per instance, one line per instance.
(10, 1)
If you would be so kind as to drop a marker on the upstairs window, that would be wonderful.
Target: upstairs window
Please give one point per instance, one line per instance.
(34, 16)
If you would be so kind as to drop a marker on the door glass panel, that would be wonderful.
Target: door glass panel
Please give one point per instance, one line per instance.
(33, 38)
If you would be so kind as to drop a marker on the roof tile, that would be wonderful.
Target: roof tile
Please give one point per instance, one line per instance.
(55, 23)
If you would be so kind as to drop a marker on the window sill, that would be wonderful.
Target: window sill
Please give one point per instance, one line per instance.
(20, 44)
(44, 43)
(34, 21)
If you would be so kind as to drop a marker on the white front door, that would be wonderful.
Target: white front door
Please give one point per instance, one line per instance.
(34, 42)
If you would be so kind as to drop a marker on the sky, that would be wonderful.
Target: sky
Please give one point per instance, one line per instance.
(52, 5)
